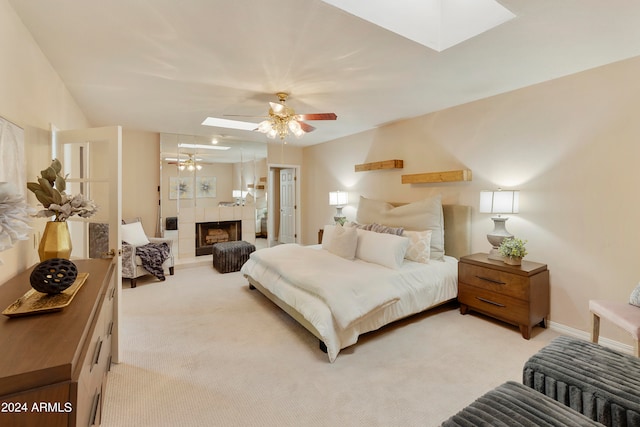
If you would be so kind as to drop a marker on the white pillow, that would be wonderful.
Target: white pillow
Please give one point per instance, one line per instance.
(134, 234)
(422, 215)
(327, 234)
(419, 246)
(343, 242)
(387, 250)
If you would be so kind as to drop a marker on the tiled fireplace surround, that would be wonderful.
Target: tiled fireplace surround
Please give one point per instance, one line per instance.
(188, 217)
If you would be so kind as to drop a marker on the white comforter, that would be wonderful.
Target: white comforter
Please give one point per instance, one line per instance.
(351, 290)
(409, 290)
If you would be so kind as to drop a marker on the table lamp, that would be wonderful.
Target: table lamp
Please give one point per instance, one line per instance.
(499, 202)
(338, 199)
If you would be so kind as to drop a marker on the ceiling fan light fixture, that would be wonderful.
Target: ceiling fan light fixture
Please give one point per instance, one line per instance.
(265, 126)
(295, 127)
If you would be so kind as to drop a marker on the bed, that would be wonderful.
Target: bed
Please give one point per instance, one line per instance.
(338, 299)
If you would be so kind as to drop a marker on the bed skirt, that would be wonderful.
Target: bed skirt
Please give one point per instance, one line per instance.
(599, 382)
(513, 404)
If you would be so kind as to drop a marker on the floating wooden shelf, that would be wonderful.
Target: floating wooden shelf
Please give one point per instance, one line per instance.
(263, 179)
(387, 164)
(257, 187)
(449, 176)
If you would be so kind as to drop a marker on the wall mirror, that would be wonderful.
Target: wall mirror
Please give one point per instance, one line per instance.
(211, 189)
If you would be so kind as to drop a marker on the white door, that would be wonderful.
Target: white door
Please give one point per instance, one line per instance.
(287, 206)
(91, 158)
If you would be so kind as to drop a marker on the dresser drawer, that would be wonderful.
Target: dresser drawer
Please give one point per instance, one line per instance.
(494, 280)
(501, 306)
(94, 366)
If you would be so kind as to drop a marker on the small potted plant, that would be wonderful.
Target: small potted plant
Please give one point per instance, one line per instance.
(512, 250)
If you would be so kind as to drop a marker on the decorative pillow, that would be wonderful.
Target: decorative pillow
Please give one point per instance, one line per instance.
(378, 228)
(419, 249)
(327, 234)
(344, 241)
(418, 216)
(634, 299)
(134, 234)
(387, 250)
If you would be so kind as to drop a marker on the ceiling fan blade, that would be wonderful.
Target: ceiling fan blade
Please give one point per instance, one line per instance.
(306, 127)
(317, 116)
(243, 115)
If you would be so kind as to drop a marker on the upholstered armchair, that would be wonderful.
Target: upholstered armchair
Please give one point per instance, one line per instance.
(132, 263)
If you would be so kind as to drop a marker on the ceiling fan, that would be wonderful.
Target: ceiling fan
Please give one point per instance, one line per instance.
(282, 119)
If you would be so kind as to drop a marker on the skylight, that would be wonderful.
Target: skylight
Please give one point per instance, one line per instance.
(231, 124)
(437, 24)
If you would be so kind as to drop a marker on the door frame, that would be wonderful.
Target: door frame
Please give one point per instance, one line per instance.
(273, 191)
(114, 137)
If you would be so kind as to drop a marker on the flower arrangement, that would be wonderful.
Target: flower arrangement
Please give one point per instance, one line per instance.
(512, 247)
(50, 191)
(14, 215)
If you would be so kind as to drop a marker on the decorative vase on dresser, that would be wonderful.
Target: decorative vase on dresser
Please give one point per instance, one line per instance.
(55, 242)
(514, 294)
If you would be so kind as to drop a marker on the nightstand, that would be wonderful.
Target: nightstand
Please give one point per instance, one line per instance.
(515, 294)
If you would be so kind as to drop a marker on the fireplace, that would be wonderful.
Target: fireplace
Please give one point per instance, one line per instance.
(210, 233)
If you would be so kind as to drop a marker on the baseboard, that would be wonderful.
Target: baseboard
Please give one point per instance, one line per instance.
(577, 333)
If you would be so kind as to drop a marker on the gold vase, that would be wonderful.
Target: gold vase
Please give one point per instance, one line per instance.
(55, 242)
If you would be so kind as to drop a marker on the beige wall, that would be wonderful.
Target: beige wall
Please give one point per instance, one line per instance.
(571, 147)
(32, 96)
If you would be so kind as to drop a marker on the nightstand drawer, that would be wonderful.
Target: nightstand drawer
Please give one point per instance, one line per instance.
(494, 280)
(494, 304)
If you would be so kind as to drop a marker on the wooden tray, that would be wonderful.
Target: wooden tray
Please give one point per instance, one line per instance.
(34, 302)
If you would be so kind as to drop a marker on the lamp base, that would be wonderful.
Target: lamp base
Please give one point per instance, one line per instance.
(496, 237)
(494, 254)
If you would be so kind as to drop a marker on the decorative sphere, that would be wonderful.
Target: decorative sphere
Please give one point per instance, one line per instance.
(53, 275)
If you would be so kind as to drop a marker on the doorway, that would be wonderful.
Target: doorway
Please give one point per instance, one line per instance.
(283, 197)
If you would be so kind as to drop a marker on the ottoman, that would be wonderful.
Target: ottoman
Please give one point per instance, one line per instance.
(599, 382)
(229, 256)
(513, 404)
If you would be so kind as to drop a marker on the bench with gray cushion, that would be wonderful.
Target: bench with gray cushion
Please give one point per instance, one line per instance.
(230, 256)
(599, 382)
(513, 404)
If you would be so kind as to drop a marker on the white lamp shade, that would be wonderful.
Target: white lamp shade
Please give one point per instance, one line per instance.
(499, 202)
(338, 198)
(237, 193)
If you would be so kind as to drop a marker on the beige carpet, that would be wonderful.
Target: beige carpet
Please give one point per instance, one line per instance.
(201, 349)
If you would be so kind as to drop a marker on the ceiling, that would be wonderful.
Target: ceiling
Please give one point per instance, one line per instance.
(165, 66)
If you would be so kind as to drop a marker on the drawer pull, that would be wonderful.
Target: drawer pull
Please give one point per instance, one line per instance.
(497, 282)
(96, 353)
(94, 410)
(110, 329)
(112, 293)
(491, 302)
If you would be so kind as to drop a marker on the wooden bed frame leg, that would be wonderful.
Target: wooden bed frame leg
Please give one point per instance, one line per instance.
(323, 346)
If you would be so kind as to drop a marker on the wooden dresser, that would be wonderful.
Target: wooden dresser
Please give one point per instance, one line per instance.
(515, 294)
(53, 366)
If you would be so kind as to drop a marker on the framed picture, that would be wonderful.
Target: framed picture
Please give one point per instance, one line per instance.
(205, 186)
(180, 188)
